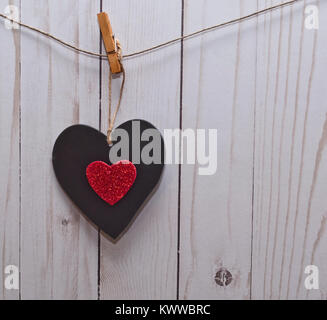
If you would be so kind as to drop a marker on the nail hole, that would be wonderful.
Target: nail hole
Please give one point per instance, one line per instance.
(64, 222)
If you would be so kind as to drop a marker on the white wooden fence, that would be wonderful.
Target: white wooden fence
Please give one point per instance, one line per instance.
(262, 216)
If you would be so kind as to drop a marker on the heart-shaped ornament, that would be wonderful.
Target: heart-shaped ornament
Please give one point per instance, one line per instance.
(81, 153)
(111, 183)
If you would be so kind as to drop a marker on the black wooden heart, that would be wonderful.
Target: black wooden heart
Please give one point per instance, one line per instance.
(77, 147)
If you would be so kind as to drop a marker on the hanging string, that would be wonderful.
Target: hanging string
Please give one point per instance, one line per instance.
(111, 120)
(254, 14)
(217, 26)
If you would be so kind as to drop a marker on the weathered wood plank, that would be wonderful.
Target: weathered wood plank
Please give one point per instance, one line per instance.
(261, 83)
(142, 265)
(218, 93)
(290, 206)
(9, 145)
(59, 88)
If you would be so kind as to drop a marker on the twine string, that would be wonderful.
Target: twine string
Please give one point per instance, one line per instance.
(164, 44)
(111, 120)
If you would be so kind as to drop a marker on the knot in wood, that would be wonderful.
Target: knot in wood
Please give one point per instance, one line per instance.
(223, 277)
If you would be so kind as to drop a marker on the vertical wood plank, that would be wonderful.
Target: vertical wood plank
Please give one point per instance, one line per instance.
(218, 93)
(260, 83)
(290, 168)
(9, 145)
(142, 265)
(60, 87)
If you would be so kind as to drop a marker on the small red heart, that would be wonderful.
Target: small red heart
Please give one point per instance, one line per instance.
(111, 183)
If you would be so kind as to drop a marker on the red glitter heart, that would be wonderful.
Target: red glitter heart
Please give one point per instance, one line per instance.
(111, 183)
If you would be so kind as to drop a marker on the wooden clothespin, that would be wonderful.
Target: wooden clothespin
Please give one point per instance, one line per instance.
(109, 42)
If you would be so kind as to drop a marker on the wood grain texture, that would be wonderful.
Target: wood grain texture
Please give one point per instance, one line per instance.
(262, 216)
(290, 173)
(59, 88)
(9, 145)
(143, 265)
(218, 92)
